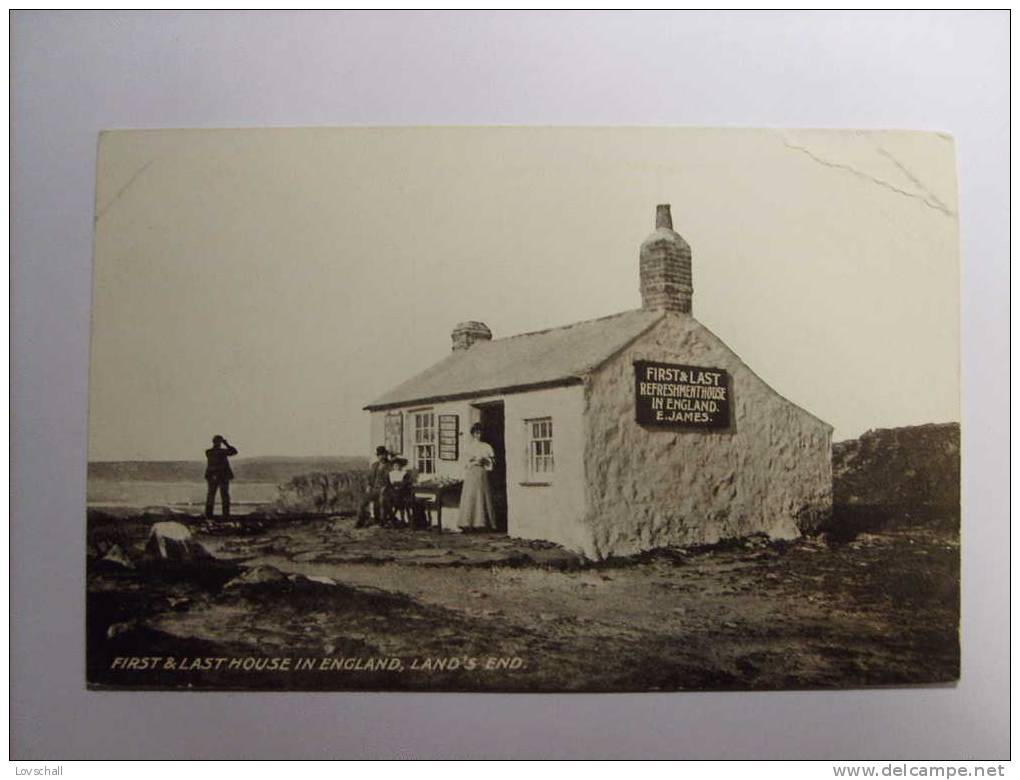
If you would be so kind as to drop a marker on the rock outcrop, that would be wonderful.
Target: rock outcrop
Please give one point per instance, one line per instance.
(115, 554)
(323, 492)
(918, 465)
(257, 575)
(896, 477)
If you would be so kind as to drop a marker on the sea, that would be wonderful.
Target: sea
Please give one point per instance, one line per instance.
(184, 496)
(179, 485)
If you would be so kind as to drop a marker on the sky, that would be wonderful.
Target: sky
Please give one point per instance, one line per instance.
(267, 284)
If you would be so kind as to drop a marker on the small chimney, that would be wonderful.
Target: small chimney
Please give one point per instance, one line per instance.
(663, 219)
(467, 333)
(666, 267)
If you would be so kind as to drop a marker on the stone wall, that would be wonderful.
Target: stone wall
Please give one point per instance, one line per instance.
(771, 473)
(551, 506)
(467, 415)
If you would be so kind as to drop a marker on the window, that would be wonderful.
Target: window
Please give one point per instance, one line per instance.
(540, 447)
(394, 433)
(425, 442)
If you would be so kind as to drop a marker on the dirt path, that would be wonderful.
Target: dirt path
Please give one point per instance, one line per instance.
(881, 610)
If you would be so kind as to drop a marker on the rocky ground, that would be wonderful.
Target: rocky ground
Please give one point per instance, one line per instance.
(401, 610)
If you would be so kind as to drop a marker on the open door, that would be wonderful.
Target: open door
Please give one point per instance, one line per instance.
(491, 417)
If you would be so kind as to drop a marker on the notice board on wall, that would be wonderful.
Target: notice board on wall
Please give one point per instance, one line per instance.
(679, 396)
(449, 432)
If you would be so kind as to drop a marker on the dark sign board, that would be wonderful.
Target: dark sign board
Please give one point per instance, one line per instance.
(449, 432)
(675, 396)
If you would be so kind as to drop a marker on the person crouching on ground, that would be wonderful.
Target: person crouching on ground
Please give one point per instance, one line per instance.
(378, 481)
(218, 475)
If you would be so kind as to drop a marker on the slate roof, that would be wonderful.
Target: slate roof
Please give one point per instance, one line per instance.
(546, 358)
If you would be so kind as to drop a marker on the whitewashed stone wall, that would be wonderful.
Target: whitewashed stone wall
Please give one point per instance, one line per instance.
(650, 488)
(468, 415)
(551, 507)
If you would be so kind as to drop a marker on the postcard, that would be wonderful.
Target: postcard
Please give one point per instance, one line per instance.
(523, 409)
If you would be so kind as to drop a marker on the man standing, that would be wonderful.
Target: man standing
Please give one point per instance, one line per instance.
(218, 475)
(378, 480)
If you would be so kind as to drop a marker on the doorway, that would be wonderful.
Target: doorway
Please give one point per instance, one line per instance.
(491, 417)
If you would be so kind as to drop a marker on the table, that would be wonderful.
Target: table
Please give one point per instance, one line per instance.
(435, 495)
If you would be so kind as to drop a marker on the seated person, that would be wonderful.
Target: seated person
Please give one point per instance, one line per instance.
(401, 491)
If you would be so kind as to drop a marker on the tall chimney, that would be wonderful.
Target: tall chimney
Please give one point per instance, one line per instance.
(666, 267)
(467, 333)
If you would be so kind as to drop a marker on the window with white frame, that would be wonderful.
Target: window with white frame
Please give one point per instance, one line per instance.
(425, 442)
(540, 448)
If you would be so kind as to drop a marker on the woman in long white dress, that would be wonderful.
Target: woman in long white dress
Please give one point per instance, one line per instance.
(476, 507)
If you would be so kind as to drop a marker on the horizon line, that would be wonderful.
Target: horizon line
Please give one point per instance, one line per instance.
(235, 457)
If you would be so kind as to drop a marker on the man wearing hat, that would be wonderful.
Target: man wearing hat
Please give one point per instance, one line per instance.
(378, 481)
(218, 475)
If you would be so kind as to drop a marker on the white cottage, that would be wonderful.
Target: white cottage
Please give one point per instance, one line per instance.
(616, 435)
